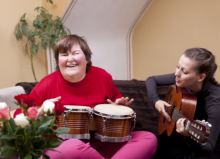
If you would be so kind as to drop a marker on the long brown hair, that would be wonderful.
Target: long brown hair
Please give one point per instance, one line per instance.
(205, 63)
(65, 43)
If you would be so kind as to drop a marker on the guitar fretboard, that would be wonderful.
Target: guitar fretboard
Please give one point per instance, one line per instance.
(176, 115)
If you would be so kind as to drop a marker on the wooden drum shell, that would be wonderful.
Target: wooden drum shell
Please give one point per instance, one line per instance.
(77, 122)
(113, 127)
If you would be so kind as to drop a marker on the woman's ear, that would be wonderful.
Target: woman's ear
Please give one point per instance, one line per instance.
(201, 77)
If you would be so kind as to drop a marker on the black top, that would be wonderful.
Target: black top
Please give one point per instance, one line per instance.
(208, 107)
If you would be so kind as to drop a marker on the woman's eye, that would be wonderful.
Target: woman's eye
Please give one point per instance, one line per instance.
(184, 72)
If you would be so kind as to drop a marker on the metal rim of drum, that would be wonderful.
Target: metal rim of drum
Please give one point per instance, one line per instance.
(114, 116)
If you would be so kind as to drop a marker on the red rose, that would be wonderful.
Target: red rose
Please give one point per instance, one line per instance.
(5, 114)
(59, 107)
(32, 113)
(23, 99)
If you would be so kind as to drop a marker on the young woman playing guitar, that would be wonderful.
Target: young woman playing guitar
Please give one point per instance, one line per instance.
(194, 72)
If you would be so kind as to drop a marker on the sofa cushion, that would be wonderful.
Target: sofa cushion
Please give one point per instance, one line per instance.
(28, 86)
(7, 96)
(147, 116)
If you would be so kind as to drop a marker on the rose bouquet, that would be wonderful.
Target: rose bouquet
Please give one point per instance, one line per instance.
(30, 134)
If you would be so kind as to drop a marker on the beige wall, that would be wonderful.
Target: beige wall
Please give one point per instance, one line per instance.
(15, 65)
(168, 28)
(57, 8)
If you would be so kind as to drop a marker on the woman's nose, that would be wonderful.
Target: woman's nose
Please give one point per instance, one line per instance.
(70, 57)
(177, 73)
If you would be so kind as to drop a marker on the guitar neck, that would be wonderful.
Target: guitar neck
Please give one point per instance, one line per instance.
(177, 115)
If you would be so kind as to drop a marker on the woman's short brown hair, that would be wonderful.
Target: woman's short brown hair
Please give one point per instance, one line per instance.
(65, 43)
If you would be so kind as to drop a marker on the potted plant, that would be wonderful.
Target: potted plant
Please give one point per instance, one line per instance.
(44, 29)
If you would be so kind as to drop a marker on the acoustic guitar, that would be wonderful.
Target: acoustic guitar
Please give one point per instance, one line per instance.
(183, 105)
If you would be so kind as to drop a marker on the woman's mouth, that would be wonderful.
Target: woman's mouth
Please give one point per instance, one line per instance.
(70, 66)
(178, 81)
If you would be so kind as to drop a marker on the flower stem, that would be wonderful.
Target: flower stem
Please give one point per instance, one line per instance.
(54, 117)
(26, 137)
(10, 127)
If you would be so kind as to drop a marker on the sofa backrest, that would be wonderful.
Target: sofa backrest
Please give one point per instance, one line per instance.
(7, 96)
(147, 115)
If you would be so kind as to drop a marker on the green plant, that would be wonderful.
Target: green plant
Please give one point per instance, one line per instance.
(44, 29)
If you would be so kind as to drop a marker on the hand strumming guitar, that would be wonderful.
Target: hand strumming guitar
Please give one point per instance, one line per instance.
(160, 106)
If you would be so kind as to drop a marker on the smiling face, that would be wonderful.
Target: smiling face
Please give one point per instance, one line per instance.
(186, 76)
(72, 64)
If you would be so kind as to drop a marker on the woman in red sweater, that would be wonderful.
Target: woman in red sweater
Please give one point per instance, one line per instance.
(77, 82)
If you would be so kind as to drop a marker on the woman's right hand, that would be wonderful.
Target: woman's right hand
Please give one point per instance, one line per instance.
(41, 109)
(160, 106)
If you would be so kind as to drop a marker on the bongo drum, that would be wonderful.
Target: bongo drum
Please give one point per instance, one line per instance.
(78, 119)
(113, 122)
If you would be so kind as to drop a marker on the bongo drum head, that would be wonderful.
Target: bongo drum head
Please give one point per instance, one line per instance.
(112, 109)
(76, 108)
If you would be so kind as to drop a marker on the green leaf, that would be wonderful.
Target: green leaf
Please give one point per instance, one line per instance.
(48, 27)
(43, 128)
(25, 28)
(23, 16)
(69, 31)
(28, 156)
(53, 142)
(19, 33)
(34, 154)
(52, 150)
(37, 8)
(17, 36)
(36, 32)
(7, 137)
(33, 50)
(62, 130)
(30, 35)
(46, 157)
(43, 45)
(13, 125)
(51, 31)
(46, 37)
(7, 151)
(51, 1)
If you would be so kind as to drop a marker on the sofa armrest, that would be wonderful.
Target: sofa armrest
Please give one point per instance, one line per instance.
(7, 96)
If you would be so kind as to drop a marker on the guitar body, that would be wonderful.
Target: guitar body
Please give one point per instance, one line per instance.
(180, 99)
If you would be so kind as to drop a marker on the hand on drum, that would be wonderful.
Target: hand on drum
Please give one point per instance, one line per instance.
(121, 101)
(40, 110)
(160, 106)
(180, 127)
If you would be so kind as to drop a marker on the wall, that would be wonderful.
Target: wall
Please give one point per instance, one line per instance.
(170, 27)
(15, 65)
(57, 8)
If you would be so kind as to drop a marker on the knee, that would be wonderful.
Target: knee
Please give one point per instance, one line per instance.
(144, 136)
(70, 147)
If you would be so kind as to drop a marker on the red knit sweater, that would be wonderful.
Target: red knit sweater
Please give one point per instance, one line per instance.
(96, 87)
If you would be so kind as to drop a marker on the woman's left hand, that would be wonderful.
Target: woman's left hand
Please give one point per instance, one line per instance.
(180, 127)
(121, 101)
